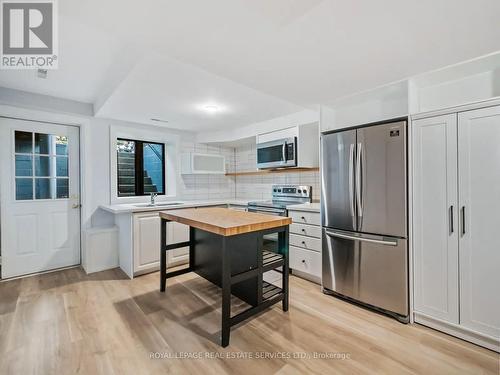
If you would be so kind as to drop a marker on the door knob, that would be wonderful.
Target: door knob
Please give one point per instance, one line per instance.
(76, 205)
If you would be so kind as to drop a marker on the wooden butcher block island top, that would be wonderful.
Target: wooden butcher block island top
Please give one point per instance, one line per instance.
(224, 221)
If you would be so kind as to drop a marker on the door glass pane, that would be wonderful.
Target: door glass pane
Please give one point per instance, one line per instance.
(62, 166)
(61, 145)
(42, 143)
(62, 188)
(42, 188)
(42, 166)
(24, 165)
(153, 168)
(23, 142)
(24, 189)
(126, 167)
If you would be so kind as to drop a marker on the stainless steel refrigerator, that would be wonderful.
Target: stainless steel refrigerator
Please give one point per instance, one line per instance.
(364, 216)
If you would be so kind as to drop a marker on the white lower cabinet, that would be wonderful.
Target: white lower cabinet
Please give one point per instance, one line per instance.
(456, 189)
(305, 261)
(305, 245)
(147, 238)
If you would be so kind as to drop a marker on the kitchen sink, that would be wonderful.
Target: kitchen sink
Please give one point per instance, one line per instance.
(159, 204)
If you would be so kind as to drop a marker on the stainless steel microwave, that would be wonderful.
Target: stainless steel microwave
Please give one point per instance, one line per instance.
(277, 154)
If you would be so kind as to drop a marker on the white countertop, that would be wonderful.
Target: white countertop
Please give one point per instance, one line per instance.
(132, 207)
(312, 207)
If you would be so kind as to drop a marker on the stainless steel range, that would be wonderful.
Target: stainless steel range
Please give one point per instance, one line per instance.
(283, 196)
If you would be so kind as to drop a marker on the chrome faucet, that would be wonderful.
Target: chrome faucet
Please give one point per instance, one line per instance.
(153, 198)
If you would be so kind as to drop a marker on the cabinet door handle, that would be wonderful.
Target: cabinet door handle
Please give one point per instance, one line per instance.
(451, 220)
(463, 220)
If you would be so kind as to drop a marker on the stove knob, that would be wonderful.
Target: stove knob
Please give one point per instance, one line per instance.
(275, 190)
(299, 191)
(279, 190)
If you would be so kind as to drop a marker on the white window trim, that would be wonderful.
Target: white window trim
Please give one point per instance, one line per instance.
(171, 143)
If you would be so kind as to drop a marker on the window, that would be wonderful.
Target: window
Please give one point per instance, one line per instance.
(41, 166)
(141, 167)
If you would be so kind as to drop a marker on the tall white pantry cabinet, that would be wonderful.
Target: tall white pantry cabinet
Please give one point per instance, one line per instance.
(456, 229)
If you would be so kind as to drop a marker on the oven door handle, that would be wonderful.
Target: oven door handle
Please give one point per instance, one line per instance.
(262, 209)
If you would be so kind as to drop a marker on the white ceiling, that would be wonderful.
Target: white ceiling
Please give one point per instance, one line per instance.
(257, 58)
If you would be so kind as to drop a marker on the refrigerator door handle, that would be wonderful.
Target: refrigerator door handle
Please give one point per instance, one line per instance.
(351, 179)
(452, 229)
(463, 220)
(362, 239)
(359, 180)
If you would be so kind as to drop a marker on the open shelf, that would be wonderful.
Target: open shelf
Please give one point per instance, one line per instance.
(271, 260)
(268, 171)
(269, 290)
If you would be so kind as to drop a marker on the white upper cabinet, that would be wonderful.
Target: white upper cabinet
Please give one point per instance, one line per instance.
(479, 197)
(195, 163)
(436, 213)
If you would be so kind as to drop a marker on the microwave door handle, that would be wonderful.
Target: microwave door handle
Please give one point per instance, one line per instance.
(283, 150)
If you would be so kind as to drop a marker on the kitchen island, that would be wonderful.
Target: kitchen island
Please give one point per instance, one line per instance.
(226, 248)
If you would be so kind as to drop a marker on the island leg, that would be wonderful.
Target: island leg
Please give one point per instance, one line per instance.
(284, 247)
(163, 256)
(226, 295)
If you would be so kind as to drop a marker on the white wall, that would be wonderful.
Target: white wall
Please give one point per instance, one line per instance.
(97, 168)
(95, 149)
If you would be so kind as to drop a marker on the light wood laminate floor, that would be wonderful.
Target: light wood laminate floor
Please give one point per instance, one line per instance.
(70, 323)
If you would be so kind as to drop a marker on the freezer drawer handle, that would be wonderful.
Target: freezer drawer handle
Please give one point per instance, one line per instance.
(347, 237)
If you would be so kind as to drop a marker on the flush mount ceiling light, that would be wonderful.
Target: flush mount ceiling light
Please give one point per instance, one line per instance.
(159, 120)
(212, 109)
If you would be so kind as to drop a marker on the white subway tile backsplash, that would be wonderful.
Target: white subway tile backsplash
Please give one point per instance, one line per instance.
(259, 186)
(241, 187)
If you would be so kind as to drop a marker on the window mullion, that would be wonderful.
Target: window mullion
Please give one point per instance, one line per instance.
(139, 168)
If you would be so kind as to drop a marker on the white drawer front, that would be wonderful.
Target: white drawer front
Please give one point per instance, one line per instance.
(305, 261)
(306, 230)
(302, 217)
(308, 243)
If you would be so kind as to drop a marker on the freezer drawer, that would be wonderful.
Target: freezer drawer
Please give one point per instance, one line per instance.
(370, 269)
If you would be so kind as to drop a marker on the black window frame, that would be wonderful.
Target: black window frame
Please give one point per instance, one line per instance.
(139, 167)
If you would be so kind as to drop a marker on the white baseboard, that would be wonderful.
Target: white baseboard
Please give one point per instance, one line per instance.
(458, 331)
(307, 276)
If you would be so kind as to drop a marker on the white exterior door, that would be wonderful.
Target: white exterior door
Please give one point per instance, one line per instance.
(40, 196)
(479, 187)
(436, 217)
